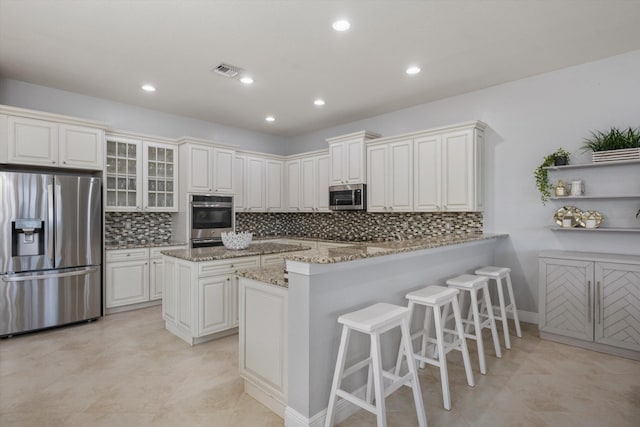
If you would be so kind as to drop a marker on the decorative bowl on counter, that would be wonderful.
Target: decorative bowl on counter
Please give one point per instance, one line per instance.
(236, 241)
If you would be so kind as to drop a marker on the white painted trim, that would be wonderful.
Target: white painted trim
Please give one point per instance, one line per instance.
(267, 399)
(526, 316)
(308, 269)
(474, 124)
(206, 142)
(128, 134)
(344, 410)
(41, 115)
(360, 134)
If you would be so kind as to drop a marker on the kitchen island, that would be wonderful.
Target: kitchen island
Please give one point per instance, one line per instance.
(200, 293)
(289, 335)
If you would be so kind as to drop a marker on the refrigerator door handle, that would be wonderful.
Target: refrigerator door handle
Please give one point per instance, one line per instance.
(48, 276)
(50, 231)
(58, 242)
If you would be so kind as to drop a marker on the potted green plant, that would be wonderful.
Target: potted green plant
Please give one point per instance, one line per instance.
(614, 144)
(560, 157)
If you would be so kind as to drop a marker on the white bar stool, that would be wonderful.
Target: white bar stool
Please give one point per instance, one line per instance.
(497, 274)
(434, 298)
(375, 320)
(472, 284)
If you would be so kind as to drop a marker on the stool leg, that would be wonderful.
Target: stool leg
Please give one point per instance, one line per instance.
(503, 314)
(337, 375)
(401, 349)
(514, 310)
(492, 320)
(478, 330)
(415, 386)
(445, 315)
(463, 342)
(425, 333)
(368, 396)
(378, 384)
(467, 327)
(444, 374)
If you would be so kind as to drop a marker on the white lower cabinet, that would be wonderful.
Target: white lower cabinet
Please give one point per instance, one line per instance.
(134, 276)
(591, 298)
(263, 342)
(201, 298)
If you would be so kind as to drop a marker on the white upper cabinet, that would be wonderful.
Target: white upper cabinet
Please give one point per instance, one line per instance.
(314, 183)
(34, 141)
(81, 147)
(448, 166)
(255, 184)
(347, 164)
(123, 174)
(390, 177)
(428, 173)
(141, 175)
(208, 169)
(293, 187)
(239, 177)
(462, 170)
(160, 177)
(274, 183)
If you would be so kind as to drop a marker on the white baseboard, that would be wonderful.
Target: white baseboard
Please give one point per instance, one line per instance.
(344, 410)
(526, 316)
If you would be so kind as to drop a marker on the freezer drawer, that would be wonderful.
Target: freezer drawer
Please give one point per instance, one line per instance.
(31, 301)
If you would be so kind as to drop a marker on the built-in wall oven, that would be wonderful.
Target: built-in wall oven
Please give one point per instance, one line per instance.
(210, 215)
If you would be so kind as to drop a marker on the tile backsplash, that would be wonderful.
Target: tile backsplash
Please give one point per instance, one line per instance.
(361, 226)
(136, 227)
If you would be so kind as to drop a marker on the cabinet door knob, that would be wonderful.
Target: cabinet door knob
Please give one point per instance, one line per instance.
(231, 266)
(228, 279)
(128, 254)
(53, 161)
(64, 162)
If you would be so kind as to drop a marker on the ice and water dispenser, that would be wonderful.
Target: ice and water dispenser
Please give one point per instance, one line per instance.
(27, 237)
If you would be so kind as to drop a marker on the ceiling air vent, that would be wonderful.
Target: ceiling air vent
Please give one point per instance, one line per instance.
(227, 70)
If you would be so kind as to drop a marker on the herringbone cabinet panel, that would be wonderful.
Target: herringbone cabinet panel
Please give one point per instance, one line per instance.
(618, 305)
(565, 298)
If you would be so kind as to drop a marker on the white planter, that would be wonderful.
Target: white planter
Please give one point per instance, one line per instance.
(616, 155)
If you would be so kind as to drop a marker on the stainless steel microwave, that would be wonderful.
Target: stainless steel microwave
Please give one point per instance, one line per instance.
(348, 197)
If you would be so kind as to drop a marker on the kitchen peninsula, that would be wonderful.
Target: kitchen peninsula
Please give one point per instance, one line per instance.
(290, 367)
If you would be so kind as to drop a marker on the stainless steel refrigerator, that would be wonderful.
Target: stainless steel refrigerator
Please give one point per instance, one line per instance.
(50, 250)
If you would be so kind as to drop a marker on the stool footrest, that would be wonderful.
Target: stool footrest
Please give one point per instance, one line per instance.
(356, 400)
(355, 368)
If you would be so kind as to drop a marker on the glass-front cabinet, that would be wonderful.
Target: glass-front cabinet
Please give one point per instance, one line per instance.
(140, 175)
(160, 177)
(123, 167)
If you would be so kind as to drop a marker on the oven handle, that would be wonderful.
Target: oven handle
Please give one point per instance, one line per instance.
(211, 205)
(48, 276)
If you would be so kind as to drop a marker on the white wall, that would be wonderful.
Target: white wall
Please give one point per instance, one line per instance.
(131, 118)
(527, 120)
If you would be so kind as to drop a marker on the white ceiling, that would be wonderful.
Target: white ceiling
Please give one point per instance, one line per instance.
(108, 49)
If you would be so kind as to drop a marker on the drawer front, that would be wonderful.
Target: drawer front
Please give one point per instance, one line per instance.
(227, 266)
(155, 252)
(128, 254)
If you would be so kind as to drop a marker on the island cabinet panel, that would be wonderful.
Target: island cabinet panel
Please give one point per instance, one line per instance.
(263, 342)
(169, 307)
(592, 299)
(214, 310)
(201, 298)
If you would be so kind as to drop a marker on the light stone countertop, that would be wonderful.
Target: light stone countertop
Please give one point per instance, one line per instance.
(276, 275)
(374, 249)
(220, 252)
(143, 245)
(273, 275)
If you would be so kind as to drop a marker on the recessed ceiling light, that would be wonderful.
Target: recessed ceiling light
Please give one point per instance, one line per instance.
(270, 118)
(148, 88)
(246, 80)
(413, 70)
(341, 25)
(319, 102)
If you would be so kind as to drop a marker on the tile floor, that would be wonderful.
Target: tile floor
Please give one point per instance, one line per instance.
(126, 370)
